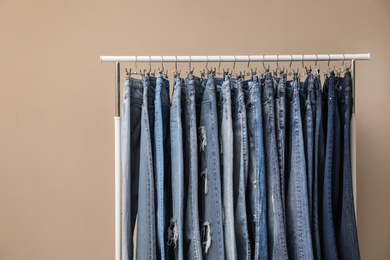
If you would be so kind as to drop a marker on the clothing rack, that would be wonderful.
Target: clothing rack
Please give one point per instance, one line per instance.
(232, 58)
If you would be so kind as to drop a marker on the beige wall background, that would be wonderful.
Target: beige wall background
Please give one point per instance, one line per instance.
(57, 103)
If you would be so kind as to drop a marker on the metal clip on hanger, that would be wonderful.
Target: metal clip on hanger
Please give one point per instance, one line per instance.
(219, 66)
(190, 71)
(233, 71)
(176, 73)
(290, 73)
(316, 70)
(303, 66)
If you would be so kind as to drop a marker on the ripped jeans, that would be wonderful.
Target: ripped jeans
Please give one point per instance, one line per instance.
(211, 222)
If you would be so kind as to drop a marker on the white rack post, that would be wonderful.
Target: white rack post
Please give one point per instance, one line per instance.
(231, 58)
(118, 175)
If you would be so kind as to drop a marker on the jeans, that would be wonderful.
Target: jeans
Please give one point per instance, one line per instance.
(175, 231)
(191, 93)
(161, 160)
(210, 193)
(146, 225)
(297, 208)
(308, 137)
(328, 229)
(276, 222)
(256, 189)
(281, 114)
(130, 140)
(240, 169)
(225, 128)
(318, 181)
(347, 237)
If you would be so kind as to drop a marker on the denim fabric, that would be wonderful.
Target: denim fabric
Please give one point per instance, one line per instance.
(318, 181)
(190, 94)
(130, 141)
(175, 231)
(347, 237)
(281, 114)
(337, 167)
(225, 128)
(211, 219)
(146, 225)
(276, 222)
(308, 137)
(240, 169)
(297, 208)
(256, 189)
(329, 245)
(161, 160)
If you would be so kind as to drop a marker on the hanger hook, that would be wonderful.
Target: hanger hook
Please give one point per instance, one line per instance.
(263, 63)
(291, 60)
(207, 62)
(316, 61)
(234, 65)
(189, 68)
(136, 68)
(342, 66)
(219, 65)
(162, 63)
(150, 65)
(176, 63)
(328, 61)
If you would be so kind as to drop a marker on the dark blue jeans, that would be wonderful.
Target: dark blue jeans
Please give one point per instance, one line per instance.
(210, 192)
(297, 208)
(175, 231)
(226, 142)
(256, 189)
(277, 245)
(347, 236)
(240, 169)
(146, 225)
(329, 244)
(191, 93)
(319, 160)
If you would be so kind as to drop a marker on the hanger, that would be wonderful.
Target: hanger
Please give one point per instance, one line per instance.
(190, 71)
(317, 70)
(176, 73)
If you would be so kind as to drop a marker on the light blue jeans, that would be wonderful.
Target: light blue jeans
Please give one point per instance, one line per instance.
(240, 169)
(130, 141)
(210, 191)
(256, 194)
(175, 231)
(226, 143)
(146, 225)
(162, 161)
(191, 92)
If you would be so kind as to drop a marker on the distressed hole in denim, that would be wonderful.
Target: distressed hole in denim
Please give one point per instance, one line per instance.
(202, 138)
(254, 184)
(173, 233)
(206, 236)
(204, 175)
